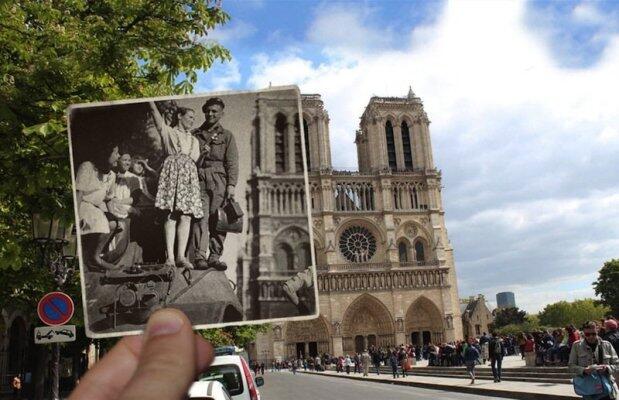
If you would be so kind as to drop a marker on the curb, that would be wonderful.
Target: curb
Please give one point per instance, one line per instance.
(458, 389)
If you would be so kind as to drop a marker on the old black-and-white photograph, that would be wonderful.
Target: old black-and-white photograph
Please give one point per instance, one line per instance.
(193, 202)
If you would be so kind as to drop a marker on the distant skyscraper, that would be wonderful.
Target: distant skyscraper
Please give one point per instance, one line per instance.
(505, 300)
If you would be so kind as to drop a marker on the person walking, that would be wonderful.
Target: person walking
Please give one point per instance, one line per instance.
(294, 367)
(347, 363)
(496, 352)
(593, 355)
(393, 361)
(376, 360)
(471, 358)
(365, 361)
(357, 361)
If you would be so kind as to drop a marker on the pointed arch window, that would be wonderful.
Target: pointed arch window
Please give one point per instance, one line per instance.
(280, 143)
(298, 157)
(390, 145)
(419, 252)
(284, 257)
(403, 252)
(305, 255)
(406, 144)
(307, 144)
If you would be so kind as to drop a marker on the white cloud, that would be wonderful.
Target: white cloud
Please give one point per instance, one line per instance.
(527, 148)
(338, 26)
(230, 33)
(223, 76)
(588, 13)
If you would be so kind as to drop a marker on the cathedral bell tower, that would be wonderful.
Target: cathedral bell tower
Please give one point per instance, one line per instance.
(394, 135)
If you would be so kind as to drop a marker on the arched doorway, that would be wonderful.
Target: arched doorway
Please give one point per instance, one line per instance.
(307, 338)
(368, 318)
(424, 323)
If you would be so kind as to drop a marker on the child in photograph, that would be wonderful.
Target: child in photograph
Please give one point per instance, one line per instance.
(178, 191)
(127, 183)
(141, 169)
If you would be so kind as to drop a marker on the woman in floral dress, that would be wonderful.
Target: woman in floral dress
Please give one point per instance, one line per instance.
(178, 191)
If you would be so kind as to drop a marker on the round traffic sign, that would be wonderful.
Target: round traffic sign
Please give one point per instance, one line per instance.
(55, 308)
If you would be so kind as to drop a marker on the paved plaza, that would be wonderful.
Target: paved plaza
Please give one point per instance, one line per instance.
(284, 385)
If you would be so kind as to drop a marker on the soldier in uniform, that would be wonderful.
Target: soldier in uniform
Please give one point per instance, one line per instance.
(218, 171)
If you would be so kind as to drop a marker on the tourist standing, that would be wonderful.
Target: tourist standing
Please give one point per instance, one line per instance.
(593, 355)
(496, 351)
(529, 351)
(484, 342)
(357, 361)
(365, 360)
(612, 334)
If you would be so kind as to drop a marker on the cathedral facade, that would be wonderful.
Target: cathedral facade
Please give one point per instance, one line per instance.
(385, 266)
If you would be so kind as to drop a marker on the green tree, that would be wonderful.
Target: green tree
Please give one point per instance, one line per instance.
(57, 53)
(607, 286)
(507, 316)
(240, 336)
(576, 312)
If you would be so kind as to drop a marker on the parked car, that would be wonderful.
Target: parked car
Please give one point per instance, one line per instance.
(209, 390)
(232, 371)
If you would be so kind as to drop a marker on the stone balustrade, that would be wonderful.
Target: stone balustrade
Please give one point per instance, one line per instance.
(396, 279)
(348, 194)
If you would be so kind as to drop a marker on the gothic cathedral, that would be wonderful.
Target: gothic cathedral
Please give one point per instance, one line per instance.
(385, 266)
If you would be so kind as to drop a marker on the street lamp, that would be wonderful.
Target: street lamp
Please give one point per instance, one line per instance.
(56, 246)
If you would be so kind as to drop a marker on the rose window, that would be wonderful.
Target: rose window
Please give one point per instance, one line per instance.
(357, 244)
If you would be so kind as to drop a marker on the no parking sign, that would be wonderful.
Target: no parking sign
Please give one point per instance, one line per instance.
(55, 308)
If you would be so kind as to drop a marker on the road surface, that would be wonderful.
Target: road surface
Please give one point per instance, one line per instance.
(285, 386)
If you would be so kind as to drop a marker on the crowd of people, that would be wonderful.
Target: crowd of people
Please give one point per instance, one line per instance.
(572, 347)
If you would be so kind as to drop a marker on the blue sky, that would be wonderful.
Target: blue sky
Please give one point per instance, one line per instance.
(522, 98)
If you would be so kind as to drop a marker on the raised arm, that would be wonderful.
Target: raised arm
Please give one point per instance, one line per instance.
(157, 117)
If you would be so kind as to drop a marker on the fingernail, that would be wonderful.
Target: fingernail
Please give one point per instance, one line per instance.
(163, 322)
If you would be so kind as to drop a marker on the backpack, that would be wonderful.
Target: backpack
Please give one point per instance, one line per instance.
(498, 348)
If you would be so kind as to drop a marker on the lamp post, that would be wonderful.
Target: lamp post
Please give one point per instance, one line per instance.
(56, 245)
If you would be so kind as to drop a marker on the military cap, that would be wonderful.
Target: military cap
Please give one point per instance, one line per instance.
(211, 101)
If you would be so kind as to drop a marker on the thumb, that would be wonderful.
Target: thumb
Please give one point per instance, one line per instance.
(167, 364)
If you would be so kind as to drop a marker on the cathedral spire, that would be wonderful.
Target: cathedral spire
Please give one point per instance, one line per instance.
(411, 94)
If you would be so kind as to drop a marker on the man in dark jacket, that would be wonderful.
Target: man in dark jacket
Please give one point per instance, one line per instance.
(612, 334)
(218, 172)
(393, 361)
(376, 358)
(497, 351)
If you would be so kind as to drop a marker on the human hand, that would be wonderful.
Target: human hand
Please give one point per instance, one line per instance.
(161, 364)
(588, 371)
(602, 368)
(230, 192)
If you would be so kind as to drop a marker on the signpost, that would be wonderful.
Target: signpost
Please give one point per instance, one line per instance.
(55, 308)
(54, 334)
